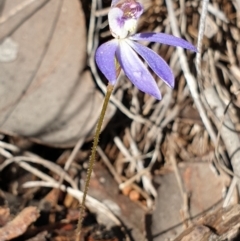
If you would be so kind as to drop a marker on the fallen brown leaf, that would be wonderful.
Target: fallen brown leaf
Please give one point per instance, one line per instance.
(19, 224)
(4, 215)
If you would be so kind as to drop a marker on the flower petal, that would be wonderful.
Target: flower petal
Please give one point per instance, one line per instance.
(164, 39)
(105, 59)
(136, 71)
(157, 64)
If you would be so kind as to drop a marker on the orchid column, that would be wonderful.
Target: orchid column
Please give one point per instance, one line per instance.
(123, 53)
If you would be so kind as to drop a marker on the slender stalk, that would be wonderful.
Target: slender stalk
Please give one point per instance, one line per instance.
(92, 159)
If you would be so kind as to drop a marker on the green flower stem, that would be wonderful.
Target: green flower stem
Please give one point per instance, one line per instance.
(92, 160)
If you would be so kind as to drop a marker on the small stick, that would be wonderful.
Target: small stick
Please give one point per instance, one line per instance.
(200, 37)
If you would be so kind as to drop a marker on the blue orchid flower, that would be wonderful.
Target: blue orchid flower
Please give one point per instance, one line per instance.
(123, 51)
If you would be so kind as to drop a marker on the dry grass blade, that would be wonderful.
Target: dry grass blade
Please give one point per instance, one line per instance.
(107, 162)
(94, 205)
(9, 147)
(21, 160)
(227, 130)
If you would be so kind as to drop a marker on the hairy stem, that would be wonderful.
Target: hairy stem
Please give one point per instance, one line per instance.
(92, 159)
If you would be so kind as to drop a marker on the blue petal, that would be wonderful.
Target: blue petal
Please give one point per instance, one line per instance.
(157, 64)
(136, 71)
(105, 59)
(164, 39)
